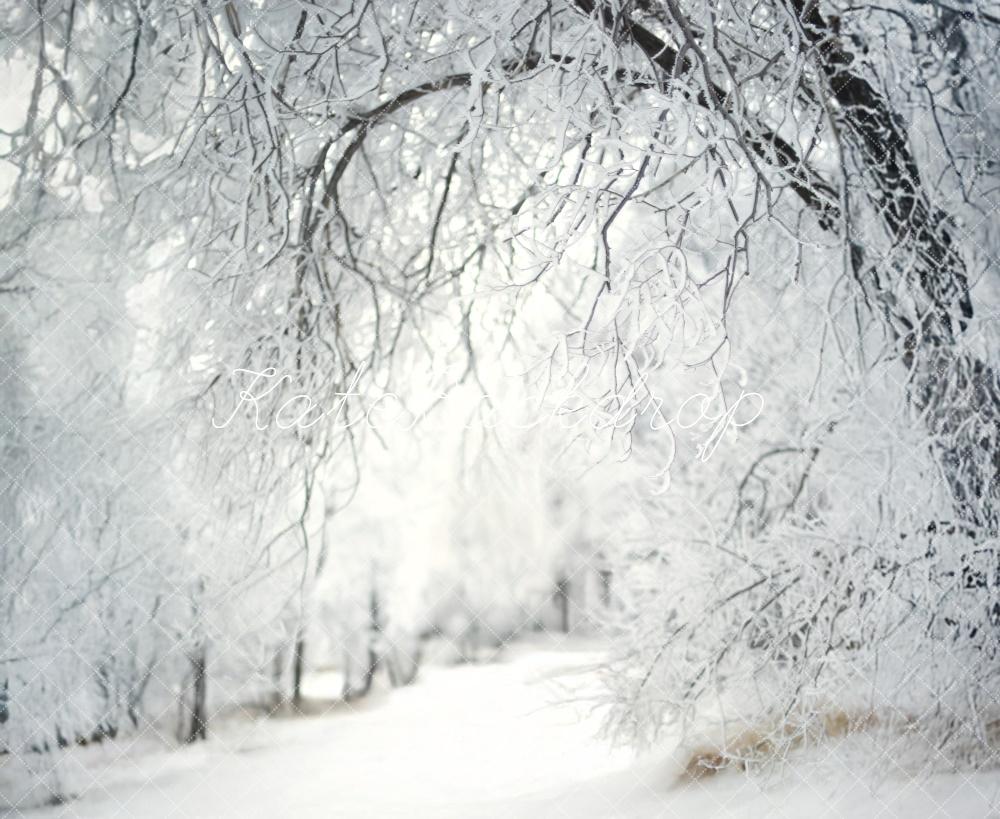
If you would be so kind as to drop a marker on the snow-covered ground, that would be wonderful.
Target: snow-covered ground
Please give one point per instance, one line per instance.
(503, 740)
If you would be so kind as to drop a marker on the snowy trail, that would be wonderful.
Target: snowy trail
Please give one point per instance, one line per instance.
(466, 742)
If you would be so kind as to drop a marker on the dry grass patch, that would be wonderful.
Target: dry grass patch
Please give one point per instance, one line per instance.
(761, 745)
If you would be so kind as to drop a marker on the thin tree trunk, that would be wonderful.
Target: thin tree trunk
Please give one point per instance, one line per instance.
(198, 726)
(562, 602)
(374, 637)
(278, 678)
(298, 668)
(605, 575)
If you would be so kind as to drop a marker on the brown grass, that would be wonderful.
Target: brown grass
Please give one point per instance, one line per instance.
(761, 745)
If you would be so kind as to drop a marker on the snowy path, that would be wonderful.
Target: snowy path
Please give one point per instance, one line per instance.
(467, 742)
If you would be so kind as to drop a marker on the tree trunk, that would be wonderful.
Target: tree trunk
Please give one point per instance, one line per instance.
(403, 667)
(4, 699)
(197, 711)
(298, 667)
(957, 394)
(374, 638)
(562, 603)
(605, 575)
(278, 678)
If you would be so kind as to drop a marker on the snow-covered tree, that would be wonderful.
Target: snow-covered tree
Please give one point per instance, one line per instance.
(742, 242)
